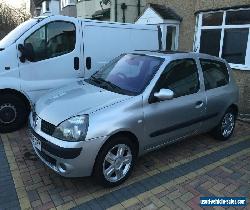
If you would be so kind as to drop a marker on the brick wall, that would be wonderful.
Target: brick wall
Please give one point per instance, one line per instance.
(186, 10)
(243, 80)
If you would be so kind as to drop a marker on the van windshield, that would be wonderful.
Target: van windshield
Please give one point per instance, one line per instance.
(11, 37)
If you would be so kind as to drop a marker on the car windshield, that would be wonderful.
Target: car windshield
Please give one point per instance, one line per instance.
(17, 32)
(128, 74)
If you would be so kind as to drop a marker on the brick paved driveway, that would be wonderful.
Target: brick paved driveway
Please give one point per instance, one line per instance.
(171, 178)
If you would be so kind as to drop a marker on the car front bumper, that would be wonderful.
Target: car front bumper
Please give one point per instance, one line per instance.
(69, 159)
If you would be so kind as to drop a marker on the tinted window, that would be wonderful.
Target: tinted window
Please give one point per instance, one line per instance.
(52, 40)
(235, 45)
(238, 17)
(180, 76)
(212, 19)
(210, 41)
(215, 74)
(130, 73)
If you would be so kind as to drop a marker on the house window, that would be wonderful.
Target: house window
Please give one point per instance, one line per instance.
(171, 38)
(65, 3)
(47, 6)
(225, 34)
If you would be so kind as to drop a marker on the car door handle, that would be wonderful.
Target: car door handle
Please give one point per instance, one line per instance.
(76, 63)
(199, 104)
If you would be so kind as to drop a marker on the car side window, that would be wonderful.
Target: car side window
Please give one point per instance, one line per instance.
(180, 76)
(215, 73)
(52, 40)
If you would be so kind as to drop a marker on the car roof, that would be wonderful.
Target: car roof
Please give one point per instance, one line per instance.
(177, 54)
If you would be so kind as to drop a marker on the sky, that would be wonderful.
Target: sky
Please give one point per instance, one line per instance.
(14, 3)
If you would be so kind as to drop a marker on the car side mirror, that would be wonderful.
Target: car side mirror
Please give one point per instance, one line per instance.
(27, 52)
(164, 94)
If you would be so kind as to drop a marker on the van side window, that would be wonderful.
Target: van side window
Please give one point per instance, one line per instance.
(215, 73)
(180, 76)
(52, 40)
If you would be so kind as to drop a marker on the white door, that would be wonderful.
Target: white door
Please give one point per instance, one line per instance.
(58, 56)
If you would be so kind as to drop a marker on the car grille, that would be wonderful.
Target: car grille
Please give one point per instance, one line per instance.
(47, 127)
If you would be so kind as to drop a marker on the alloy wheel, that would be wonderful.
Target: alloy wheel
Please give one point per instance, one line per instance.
(227, 124)
(117, 163)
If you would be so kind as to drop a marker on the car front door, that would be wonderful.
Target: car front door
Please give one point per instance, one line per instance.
(57, 56)
(168, 120)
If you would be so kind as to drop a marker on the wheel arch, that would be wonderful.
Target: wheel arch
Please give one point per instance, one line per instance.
(128, 134)
(235, 108)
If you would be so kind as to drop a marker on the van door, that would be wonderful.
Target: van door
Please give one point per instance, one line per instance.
(57, 56)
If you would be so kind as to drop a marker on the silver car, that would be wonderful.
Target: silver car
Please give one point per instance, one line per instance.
(137, 103)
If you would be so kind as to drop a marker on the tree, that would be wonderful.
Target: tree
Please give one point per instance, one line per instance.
(10, 18)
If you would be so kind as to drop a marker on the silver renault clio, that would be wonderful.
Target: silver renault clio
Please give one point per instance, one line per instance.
(138, 102)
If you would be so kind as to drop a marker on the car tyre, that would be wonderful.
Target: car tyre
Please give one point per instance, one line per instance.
(115, 161)
(13, 113)
(224, 130)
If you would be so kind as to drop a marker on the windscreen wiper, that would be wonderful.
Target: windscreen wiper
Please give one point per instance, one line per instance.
(107, 84)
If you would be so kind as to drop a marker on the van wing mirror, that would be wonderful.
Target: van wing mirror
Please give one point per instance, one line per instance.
(21, 49)
(164, 94)
(27, 52)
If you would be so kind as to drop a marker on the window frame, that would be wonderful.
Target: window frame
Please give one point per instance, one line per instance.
(223, 27)
(154, 89)
(65, 3)
(164, 28)
(46, 26)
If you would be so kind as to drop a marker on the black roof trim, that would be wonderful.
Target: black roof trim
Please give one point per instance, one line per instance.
(223, 8)
(166, 13)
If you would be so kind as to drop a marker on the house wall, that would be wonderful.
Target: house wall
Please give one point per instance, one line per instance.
(69, 11)
(54, 8)
(131, 13)
(187, 9)
(86, 9)
(150, 16)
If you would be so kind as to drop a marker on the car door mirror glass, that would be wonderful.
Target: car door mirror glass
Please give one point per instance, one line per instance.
(164, 94)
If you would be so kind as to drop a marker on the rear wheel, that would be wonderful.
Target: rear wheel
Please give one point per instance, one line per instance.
(13, 113)
(115, 162)
(225, 129)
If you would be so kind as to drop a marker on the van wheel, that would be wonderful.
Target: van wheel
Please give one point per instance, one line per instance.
(13, 113)
(225, 129)
(115, 162)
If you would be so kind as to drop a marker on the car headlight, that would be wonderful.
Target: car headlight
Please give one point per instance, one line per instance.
(73, 129)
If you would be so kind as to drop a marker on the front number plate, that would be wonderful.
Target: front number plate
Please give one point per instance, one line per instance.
(36, 143)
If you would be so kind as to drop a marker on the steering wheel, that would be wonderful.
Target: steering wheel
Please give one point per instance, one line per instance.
(122, 75)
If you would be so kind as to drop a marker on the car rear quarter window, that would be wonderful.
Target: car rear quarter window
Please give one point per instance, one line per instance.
(215, 73)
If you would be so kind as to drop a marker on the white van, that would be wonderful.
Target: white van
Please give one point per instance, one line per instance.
(47, 52)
